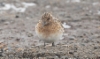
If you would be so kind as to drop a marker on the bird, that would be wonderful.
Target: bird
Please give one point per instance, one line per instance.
(49, 29)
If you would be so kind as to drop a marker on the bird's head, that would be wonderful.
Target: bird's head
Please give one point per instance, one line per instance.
(46, 19)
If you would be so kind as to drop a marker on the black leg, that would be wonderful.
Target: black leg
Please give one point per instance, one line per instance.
(53, 44)
(44, 44)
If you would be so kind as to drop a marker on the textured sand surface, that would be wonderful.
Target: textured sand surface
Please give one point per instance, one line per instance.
(82, 32)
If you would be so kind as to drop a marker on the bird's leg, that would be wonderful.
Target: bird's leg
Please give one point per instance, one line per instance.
(44, 44)
(53, 44)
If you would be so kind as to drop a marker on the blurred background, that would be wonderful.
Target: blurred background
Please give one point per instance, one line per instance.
(80, 18)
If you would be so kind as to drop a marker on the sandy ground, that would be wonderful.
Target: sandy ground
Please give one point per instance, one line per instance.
(19, 17)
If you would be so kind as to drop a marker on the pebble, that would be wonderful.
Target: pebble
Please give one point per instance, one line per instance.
(68, 16)
(2, 20)
(86, 14)
(72, 38)
(17, 39)
(71, 53)
(80, 36)
(82, 44)
(95, 47)
(66, 57)
(2, 4)
(98, 58)
(86, 41)
(98, 36)
(30, 34)
(16, 16)
(50, 58)
(98, 41)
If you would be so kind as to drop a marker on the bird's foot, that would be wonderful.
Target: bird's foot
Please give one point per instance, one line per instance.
(53, 44)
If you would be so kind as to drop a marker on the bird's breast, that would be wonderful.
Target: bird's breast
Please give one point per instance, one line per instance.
(49, 33)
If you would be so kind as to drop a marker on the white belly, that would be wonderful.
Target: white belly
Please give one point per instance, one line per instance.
(51, 38)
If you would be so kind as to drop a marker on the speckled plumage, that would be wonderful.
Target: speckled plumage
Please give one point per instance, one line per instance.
(49, 29)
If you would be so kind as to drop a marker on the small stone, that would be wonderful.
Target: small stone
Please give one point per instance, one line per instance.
(71, 53)
(98, 42)
(20, 49)
(76, 57)
(1, 41)
(7, 22)
(16, 16)
(91, 33)
(17, 39)
(1, 29)
(75, 50)
(68, 16)
(86, 41)
(30, 34)
(95, 47)
(66, 57)
(79, 25)
(83, 44)
(50, 58)
(98, 37)
(81, 36)
(48, 6)
(71, 38)
(86, 14)
(2, 20)
(2, 4)
(98, 58)
(84, 34)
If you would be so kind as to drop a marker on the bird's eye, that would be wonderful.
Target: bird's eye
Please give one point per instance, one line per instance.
(48, 18)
